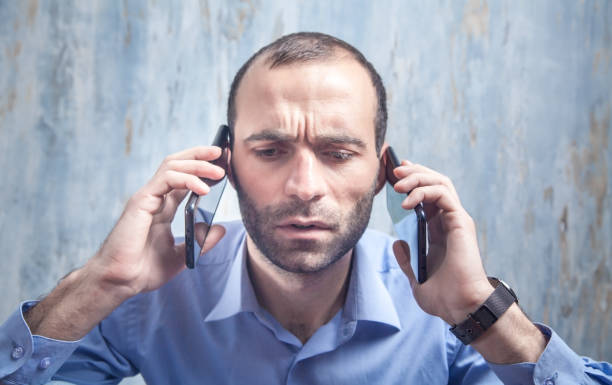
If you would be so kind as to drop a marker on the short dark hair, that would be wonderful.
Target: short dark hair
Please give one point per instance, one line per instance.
(311, 46)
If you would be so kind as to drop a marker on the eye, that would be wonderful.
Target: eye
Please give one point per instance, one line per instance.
(339, 156)
(268, 153)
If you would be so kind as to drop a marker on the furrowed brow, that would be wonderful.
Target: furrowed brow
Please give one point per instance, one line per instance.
(269, 136)
(275, 136)
(341, 140)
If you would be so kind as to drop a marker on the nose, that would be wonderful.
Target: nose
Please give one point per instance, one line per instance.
(305, 180)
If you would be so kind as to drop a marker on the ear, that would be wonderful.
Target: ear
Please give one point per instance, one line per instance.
(382, 168)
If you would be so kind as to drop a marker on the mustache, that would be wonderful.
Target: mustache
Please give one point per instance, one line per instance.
(298, 208)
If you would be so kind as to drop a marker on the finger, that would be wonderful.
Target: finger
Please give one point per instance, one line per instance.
(402, 255)
(171, 202)
(197, 153)
(408, 169)
(418, 179)
(200, 168)
(168, 180)
(437, 195)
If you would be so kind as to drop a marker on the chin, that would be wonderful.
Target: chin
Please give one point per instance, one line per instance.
(305, 263)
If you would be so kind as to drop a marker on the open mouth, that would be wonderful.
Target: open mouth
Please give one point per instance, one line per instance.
(304, 225)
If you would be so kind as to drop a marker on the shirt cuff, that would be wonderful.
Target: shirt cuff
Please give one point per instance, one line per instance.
(27, 358)
(558, 364)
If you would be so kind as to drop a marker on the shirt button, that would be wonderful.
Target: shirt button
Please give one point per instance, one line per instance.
(17, 352)
(44, 363)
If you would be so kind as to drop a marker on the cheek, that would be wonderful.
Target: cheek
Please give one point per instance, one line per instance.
(349, 188)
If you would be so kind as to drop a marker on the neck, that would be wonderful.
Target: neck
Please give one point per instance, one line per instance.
(301, 303)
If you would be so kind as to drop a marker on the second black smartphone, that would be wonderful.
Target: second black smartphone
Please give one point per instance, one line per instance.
(202, 209)
(403, 223)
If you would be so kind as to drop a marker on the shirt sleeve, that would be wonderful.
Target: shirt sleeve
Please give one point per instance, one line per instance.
(558, 365)
(32, 359)
(28, 359)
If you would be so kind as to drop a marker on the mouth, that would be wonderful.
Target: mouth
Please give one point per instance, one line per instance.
(297, 226)
(305, 224)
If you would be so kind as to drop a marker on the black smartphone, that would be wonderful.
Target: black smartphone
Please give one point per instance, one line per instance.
(403, 222)
(202, 209)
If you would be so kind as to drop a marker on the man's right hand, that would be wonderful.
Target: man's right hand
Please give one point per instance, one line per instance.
(138, 255)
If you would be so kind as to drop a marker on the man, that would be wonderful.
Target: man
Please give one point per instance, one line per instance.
(301, 294)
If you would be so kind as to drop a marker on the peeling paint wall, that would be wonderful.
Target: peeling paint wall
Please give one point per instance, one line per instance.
(511, 99)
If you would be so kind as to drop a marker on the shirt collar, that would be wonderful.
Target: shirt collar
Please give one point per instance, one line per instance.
(238, 295)
(367, 297)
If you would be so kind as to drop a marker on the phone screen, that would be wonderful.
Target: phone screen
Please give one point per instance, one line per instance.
(200, 210)
(410, 226)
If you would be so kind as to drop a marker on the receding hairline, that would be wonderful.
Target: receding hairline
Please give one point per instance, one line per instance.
(337, 54)
(310, 47)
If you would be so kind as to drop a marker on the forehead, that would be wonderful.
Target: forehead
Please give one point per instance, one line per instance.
(335, 94)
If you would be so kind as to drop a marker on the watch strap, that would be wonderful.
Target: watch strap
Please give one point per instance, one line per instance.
(490, 311)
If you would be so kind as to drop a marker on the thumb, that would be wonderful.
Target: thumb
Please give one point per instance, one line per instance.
(215, 233)
(402, 255)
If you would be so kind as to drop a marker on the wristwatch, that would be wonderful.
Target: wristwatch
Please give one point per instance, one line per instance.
(477, 322)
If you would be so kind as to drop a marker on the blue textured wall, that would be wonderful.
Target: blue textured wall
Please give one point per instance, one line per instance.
(511, 99)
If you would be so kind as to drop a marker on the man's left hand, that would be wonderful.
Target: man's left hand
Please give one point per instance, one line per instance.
(457, 284)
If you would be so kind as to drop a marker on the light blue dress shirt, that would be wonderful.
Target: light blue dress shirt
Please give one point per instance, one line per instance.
(206, 327)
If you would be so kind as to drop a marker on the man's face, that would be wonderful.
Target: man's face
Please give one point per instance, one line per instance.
(304, 160)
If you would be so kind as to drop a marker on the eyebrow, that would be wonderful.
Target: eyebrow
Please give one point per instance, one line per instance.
(275, 136)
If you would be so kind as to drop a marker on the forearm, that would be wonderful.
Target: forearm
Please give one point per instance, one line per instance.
(80, 301)
(512, 339)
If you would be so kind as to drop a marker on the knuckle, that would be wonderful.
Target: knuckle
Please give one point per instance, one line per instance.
(170, 164)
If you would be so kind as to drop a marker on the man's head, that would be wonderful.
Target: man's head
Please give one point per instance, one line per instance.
(308, 118)
(303, 47)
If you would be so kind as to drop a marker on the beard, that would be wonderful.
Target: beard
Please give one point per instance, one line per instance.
(304, 256)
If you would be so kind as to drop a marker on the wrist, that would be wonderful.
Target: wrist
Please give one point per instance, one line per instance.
(469, 303)
(111, 281)
(512, 339)
(79, 302)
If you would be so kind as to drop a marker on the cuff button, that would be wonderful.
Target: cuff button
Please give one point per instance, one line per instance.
(17, 352)
(44, 363)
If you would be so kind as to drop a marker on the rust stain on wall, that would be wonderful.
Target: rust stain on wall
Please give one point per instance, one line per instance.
(548, 194)
(565, 262)
(473, 131)
(128, 135)
(593, 238)
(601, 59)
(475, 21)
(205, 13)
(32, 10)
(590, 169)
(12, 97)
(597, 182)
(236, 26)
(17, 49)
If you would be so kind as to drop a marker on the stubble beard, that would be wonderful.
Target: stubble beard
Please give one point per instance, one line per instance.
(304, 256)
